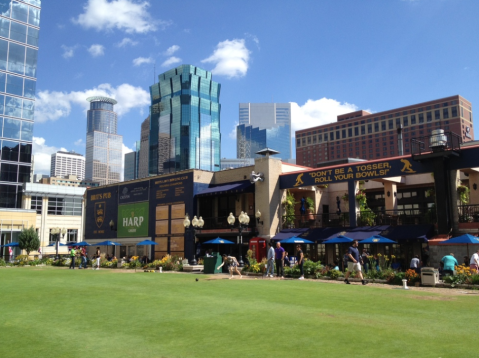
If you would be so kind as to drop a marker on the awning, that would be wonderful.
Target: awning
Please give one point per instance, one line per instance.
(363, 232)
(404, 233)
(287, 233)
(244, 186)
(320, 234)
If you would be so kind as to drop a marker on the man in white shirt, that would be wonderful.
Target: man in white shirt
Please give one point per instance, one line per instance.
(414, 265)
(474, 264)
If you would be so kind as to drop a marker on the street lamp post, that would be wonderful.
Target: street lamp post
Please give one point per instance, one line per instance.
(196, 224)
(243, 224)
(57, 231)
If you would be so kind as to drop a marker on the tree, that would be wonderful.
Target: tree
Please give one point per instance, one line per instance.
(28, 240)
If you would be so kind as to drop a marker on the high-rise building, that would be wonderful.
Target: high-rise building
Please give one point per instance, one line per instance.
(19, 28)
(129, 168)
(264, 125)
(67, 163)
(103, 144)
(144, 149)
(184, 121)
(364, 135)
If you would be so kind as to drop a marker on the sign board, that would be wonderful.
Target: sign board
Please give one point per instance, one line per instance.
(353, 172)
(101, 208)
(133, 220)
(134, 192)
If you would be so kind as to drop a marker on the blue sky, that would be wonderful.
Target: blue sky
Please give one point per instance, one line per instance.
(327, 57)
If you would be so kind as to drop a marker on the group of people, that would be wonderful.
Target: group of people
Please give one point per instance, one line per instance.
(279, 257)
(449, 262)
(75, 251)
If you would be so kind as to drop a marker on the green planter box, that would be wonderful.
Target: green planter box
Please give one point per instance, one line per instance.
(211, 263)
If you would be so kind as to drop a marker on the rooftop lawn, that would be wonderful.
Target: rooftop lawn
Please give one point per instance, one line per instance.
(55, 312)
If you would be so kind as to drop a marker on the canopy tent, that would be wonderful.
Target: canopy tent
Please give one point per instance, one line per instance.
(463, 239)
(287, 233)
(296, 240)
(339, 240)
(377, 239)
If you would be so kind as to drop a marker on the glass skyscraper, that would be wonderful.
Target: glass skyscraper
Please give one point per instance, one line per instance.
(264, 125)
(19, 29)
(103, 144)
(184, 121)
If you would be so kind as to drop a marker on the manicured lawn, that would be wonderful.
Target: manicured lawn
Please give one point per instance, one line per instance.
(52, 312)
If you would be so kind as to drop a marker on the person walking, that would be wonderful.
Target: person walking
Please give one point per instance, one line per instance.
(415, 263)
(270, 261)
(97, 257)
(83, 258)
(449, 262)
(232, 265)
(300, 260)
(354, 263)
(72, 258)
(474, 263)
(279, 257)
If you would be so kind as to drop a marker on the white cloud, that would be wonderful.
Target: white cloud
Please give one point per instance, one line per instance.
(254, 38)
(171, 50)
(127, 41)
(130, 16)
(96, 50)
(43, 155)
(68, 51)
(318, 112)
(142, 60)
(171, 61)
(232, 134)
(50, 106)
(231, 58)
(79, 143)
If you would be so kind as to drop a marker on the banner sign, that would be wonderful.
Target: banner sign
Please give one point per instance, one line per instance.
(353, 172)
(101, 208)
(134, 192)
(133, 220)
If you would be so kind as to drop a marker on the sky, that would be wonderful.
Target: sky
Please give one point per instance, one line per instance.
(326, 57)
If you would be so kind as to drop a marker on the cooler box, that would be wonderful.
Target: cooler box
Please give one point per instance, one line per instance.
(211, 263)
(429, 276)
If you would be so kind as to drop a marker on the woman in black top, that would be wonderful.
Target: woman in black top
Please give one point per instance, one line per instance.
(300, 260)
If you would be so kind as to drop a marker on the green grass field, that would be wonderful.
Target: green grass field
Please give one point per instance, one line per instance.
(52, 312)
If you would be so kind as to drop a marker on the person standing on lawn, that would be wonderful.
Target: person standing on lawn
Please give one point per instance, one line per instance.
(449, 262)
(300, 260)
(474, 263)
(415, 263)
(354, 263)
(72, 258)
(364, 257)
(270, 262)
(83, 258)
(279, 257)
(97, 257)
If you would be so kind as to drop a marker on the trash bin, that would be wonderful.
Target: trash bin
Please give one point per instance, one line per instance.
(429, 276)
(211, 263)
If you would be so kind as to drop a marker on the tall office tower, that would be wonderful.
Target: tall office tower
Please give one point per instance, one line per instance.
(184, 121)
(264, 125)
(129, 168)
(144, 149)
(67, 163)
(103, 146)
(364, 135)
(19, 28)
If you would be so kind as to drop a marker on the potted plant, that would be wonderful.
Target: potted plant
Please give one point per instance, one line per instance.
(310, 208)
(463, 193)
(288, 204)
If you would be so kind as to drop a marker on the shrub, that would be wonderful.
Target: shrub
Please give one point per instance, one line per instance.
(311, 267)
(3, 262)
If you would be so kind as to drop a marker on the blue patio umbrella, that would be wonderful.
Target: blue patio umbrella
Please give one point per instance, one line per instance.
(339, 240)
(12, 244)
(219, 241)
(107, 243)
(463, 239)
(377, 239)
(81, 243)
(296, 240)
(146, 242)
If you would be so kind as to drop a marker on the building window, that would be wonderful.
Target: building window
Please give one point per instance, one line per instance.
(356, 131)
(391, 124)
(64, 206)
(383, 126)
(413, 119)
(363, 130)
(37, 204)
(437, 114)
(72, 235)
(376, 127)
(298, 142)
(370, 128)
(429, 116)
(405, 121)
(445, 113)
(453, 111)
(421, 118)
